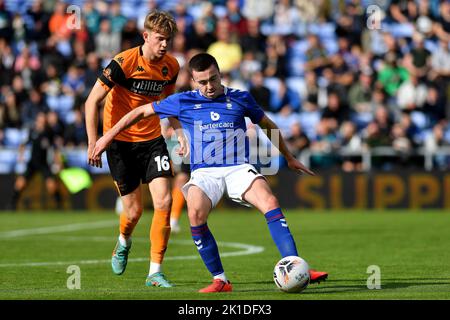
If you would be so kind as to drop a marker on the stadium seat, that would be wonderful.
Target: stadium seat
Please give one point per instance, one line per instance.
(399, 30)
(419, 119)
(76, 158)
(62, 104)
(308, 121)
(298, 48)
(273, 84)
(15, 137)
(298, 85)
(331, 46)
(324, 31)
(8, 159)
(361, 119)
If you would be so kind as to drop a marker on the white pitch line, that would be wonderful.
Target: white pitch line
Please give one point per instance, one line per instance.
(58, 229)
(246, 249)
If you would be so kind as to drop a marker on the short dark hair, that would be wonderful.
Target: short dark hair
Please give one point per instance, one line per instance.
(201, 62)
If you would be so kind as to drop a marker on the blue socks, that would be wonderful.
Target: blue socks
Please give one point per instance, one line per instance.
(280, 233)
(207, 247)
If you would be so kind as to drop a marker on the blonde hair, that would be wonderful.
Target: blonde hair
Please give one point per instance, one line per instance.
(161, 22)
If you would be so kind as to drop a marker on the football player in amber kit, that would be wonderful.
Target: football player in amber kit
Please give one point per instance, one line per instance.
(139, 154)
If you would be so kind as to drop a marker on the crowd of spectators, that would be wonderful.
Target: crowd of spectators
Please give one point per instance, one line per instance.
(333, 74)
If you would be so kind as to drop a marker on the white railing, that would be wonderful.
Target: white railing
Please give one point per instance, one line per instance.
(77, 156)
(367, 155)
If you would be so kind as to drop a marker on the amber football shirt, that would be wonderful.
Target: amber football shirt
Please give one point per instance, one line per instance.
(134, 81)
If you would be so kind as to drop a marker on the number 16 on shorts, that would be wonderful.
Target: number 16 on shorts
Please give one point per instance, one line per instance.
(162, 163)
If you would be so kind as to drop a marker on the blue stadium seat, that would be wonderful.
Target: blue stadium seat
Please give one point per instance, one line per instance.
(62, 104)
(273, 84)
(361, 119)
(15, 137)
(399, 30)
(331, 46)
(325, 31)
(129, 8)
(308, 121)
(8, 159)
(298, 48)
(419, 119)
(298, 85)
(76, 158)
(18, 6)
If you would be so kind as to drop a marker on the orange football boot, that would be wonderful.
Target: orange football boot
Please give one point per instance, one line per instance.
(317, 276)
(217, 286)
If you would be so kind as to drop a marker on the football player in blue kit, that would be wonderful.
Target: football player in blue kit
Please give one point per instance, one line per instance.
(213, 120)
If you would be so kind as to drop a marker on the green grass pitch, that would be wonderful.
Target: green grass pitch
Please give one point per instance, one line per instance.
(410, 248)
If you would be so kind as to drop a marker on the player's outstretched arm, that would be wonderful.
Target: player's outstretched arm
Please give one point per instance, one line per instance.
(97, 94)
(183, 150)
(125, 122)
(292, 161)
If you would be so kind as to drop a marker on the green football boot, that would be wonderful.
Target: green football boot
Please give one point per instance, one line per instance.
(158, 279)
(119, 258)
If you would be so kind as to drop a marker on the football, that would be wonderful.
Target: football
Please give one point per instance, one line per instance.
(291, 274)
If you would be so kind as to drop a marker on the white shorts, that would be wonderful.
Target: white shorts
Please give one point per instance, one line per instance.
(234, 180)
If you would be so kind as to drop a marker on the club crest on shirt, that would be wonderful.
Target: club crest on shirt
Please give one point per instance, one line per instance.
(229, 105)
(164, 71)
(215, 116)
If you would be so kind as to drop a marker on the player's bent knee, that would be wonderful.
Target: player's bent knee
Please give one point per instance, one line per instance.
(164, 203)
(271, 203)
(197, 216)
(134, 213)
